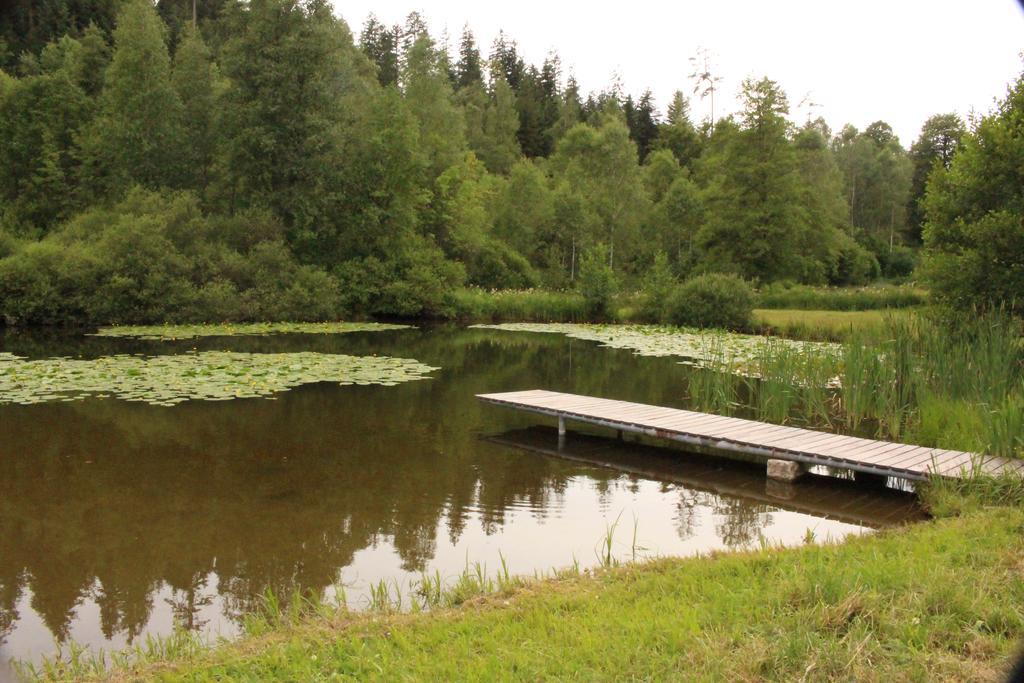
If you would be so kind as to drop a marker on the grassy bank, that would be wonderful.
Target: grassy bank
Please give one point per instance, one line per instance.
(822, 325)
(913, 380)
(940, 600)
(875, 297)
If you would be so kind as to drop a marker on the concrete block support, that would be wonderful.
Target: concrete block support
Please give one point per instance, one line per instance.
(785, 470)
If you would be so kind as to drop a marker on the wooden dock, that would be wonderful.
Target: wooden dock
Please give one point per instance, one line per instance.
(759, 439)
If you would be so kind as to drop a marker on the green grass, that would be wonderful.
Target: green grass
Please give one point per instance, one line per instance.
(822, 325)
(531, 305)
(840, 298)
(946, 384)
(940, 600)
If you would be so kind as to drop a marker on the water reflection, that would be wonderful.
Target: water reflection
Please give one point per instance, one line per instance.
(121, 519)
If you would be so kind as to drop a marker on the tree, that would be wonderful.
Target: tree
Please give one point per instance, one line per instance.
(136, 136)
(828, 254)
(940, 136)
(380, 45)
(677, 132)
(297, 88)
(428, 94)
(505, 61)
(26, 26)
(753, 201)
(974, 227)
(179, 15)
(493, 135)
(194, 79)
(643, 123)
(877, 175)
(468, 69)
(705, 81)
(41, 117)
(524, 215)
(600, 166)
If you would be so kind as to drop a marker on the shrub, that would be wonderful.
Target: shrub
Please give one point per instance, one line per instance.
(658, 285)
(597, 282)
(713, 300)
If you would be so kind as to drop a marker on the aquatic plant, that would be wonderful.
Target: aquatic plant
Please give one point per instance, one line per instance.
(206, 376)
(704, 348)
(172, 332)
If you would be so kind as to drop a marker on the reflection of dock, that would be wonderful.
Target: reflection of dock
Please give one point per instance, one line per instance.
(839, 499)
(759, 439)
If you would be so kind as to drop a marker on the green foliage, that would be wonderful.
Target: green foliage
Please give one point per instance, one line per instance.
(158, 257)
(713, 300)
(599, 166)
(754, 220)
(787, 295)
(135, 138)
(940, 136)
(597, 283)
(974, 233)
(659, 284)
(194, 78)
(359, 154)
(40, 118)
(521, 305)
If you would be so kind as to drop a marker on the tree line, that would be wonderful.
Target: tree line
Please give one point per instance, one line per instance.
(252, 160)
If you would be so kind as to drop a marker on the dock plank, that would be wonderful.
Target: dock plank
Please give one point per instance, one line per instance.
(756, 438)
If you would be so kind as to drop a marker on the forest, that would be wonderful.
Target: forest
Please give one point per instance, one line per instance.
(231, 161)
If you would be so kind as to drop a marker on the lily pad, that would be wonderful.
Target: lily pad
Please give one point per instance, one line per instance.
(704, 348)
(205, 376)
(172, 332)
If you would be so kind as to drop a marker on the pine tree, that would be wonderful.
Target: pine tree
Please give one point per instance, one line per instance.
(505, 62)
(380, 45)
(677, 133)
(753, 203)
(645, 125)
(468, 70)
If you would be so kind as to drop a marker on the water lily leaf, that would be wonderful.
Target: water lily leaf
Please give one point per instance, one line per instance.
(206, 376)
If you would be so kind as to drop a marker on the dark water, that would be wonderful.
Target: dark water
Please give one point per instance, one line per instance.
(121, 519)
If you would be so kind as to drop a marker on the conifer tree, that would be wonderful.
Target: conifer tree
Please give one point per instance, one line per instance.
(677, 133)
(468, 69)
(380, 45)
(754, 215)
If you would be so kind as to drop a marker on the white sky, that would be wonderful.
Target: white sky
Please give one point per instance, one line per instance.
(898, 60)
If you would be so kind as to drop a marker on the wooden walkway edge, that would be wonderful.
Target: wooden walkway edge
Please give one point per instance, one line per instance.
(753, 438)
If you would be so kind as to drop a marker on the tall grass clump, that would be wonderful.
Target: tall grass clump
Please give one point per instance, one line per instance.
(528, 305)
(956, 384)
(804, 297)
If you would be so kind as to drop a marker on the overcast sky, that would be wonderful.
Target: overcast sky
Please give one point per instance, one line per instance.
(898, 60)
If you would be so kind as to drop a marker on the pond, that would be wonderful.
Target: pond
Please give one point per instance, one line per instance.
(189, 476)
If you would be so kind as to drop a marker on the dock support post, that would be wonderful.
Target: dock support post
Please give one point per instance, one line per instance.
(785, 470)
(561, 426)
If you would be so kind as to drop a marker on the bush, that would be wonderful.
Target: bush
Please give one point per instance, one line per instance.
(658, 286)
(899, 263)
(597, 282)
(713, 300)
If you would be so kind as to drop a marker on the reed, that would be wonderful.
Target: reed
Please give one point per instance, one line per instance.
(949, 384)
